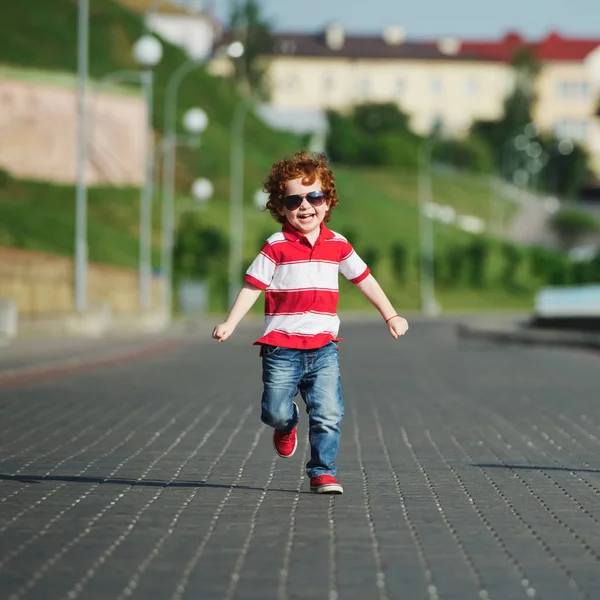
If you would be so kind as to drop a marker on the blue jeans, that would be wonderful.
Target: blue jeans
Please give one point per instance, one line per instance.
(316, 375)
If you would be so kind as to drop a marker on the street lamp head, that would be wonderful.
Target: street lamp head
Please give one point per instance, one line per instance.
(235, 50)
(195, 120)
(260, 199)
(147, 51)
(566, 146)
(202, 189)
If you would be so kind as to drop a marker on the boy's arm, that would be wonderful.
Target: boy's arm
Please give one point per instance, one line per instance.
(376, 296)
(246, 298)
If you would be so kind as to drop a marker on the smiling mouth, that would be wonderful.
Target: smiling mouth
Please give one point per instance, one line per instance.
(306, 216)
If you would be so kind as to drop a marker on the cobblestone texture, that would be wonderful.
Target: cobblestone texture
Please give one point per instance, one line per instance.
(470, 471)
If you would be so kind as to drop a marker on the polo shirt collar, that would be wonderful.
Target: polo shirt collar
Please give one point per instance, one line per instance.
(292, 234)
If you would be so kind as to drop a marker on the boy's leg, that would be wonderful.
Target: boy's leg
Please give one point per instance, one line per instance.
(322, 391)
(281, 373)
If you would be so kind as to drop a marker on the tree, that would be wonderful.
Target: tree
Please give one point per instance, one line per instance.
(248, 25)
(572, 226)
(518, 106)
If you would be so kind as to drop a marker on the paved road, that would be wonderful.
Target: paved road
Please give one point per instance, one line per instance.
(470, 471)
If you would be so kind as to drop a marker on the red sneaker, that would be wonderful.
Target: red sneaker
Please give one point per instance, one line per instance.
(285, 443)
(325, 484)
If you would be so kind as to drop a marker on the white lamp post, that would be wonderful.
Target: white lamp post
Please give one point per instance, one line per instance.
(426, 234)
(147, 52)
(195, 121)
(81, 248)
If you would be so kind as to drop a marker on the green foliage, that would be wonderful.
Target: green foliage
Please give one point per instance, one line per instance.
(5, 178)
(471, 154)
(377, 119)
(371, 256)
(572, 225)
(513, 259)
(374, 134)
(399, 253)
(199, 249)
(477, 254)
(561, 175)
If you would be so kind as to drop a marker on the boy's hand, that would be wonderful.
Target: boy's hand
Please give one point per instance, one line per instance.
(398, 326)
(223, 331)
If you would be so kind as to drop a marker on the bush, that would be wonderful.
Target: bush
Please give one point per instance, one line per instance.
(571, 226)
(399, 262)
(513, 258)
(470, 154)
(5, 178)
(477, 254)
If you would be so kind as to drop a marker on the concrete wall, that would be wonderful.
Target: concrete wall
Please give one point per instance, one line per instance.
(42, 284)
(38, 132)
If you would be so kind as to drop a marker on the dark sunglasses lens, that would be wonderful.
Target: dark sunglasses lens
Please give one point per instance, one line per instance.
(315, 198)
(292, 202)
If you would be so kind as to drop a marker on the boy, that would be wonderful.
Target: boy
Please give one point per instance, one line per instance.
(298, 269)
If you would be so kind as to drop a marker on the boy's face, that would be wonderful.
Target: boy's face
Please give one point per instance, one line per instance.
(306, 218)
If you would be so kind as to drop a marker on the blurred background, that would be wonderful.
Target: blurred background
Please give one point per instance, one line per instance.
(135, 137)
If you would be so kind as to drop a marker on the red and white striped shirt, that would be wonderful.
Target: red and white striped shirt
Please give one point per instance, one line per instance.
(301, 286)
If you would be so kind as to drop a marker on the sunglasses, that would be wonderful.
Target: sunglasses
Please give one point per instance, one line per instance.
(295, 200)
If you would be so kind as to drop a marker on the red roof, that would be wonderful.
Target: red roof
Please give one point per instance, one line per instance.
(552, 47)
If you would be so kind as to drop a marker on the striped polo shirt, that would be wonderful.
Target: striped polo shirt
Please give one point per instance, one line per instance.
(301, 286)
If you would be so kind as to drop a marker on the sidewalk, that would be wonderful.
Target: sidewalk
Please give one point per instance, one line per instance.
(519, 331)
(25, 355)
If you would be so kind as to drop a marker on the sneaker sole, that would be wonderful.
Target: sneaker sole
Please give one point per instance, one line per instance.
(330, 488)
(286, 455)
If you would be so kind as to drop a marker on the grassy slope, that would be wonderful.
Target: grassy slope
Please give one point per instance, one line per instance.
(381, 203)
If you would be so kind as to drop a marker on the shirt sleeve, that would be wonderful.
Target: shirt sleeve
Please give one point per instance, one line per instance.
(352, 266)
(260, 272)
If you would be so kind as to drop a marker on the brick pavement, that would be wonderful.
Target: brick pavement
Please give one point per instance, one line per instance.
(470, 471)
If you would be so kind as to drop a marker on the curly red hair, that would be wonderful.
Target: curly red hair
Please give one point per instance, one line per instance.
(310, 166)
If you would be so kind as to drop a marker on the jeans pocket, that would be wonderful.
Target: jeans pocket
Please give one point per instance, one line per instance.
(268, 350)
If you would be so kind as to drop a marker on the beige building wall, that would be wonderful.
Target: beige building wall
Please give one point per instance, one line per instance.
(454, 93)
(567, 97)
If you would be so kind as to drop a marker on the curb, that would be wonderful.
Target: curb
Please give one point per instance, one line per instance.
(523, 333)
(51, 370)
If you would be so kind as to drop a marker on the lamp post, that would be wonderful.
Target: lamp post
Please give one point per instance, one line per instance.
(426, 238)
(147, 52)
(195, 122)
(193, 118)
(236, 198)
(81, 248)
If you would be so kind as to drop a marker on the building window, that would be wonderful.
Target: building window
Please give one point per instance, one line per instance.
(573, 90)
(329, 83)
(436, 85)
(573, 129)
(471, 86)
(400, 86)
(363, 87)
(288, 83)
